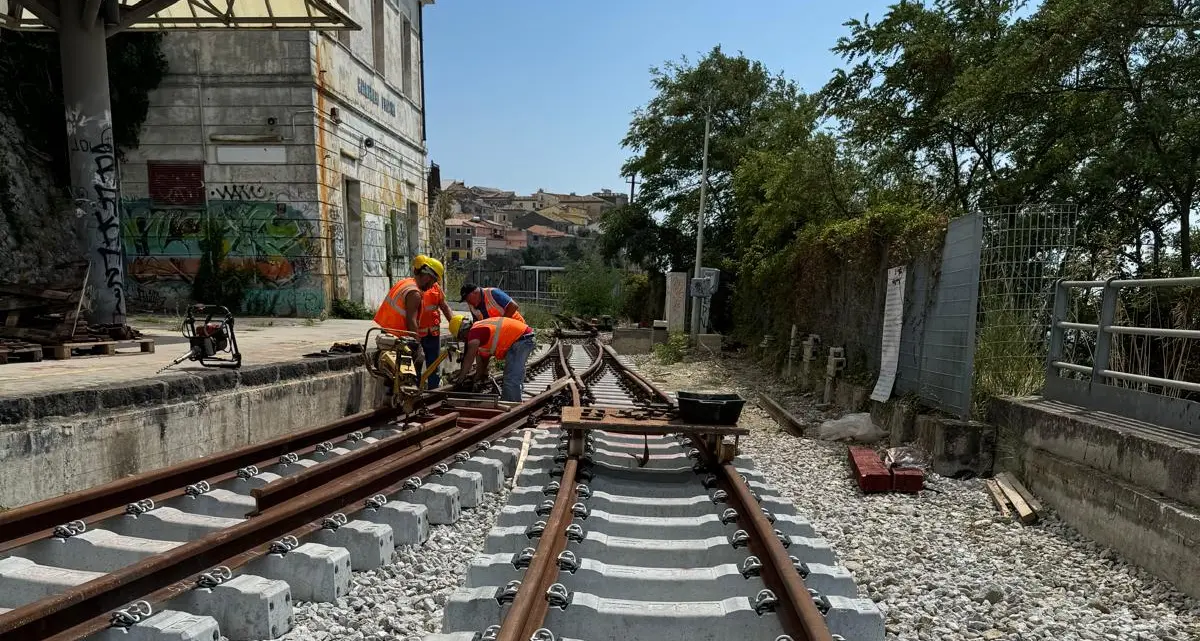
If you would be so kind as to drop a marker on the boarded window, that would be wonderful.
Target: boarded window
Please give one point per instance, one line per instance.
(176, 184)
(406, 57)
(378, 39)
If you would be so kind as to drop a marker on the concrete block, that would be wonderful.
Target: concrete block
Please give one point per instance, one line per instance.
(628, 581)
(247, 607)
(490, 470)
(696, 505)
(22, 581)
(858, 619)
(850, 396)
(168, 625)
(245, 485)
(472, 609)
(409, 521)
(441, 500)
(168, 524)
(633, 340)
(469, 485)
(603, 619)
(218, 502)
(811, 550)
(672, 527)
(371, 545)
(898, 417)
(506, 455)
(832, 580)
(314, 571)
(650, 553)
(957, 449)
(293, 467)
(93, 550)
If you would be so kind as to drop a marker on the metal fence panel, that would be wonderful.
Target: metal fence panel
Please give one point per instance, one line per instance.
(946, 350)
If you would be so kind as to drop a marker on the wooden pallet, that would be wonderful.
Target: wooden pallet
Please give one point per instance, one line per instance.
(19, 351)
(96, 348)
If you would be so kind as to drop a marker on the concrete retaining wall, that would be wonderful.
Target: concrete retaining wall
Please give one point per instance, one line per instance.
(60, 442)
(1132, 487)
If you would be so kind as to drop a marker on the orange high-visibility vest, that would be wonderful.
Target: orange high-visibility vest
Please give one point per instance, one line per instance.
(505, 332)
(494, 310)
(431, 318)
(391, 314)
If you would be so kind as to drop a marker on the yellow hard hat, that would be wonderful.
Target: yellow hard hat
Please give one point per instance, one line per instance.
(433, 265)
(456, 324)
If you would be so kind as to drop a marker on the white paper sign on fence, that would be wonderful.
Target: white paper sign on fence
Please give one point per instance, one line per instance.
(893, 319)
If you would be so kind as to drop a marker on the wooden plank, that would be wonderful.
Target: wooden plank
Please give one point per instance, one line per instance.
(1025, 514)
(66, 351)
(784, 418)
(521, 458)
(998, 499)
(1030, 499)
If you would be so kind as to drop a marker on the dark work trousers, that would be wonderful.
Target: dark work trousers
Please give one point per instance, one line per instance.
(431, 345)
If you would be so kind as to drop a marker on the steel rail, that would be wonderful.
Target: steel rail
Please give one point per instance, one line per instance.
(649, 388)
(104, 594)
(98, 623)
(290, 487)
(784, 418)
(36, 521)
(799, 614)
(529, 608)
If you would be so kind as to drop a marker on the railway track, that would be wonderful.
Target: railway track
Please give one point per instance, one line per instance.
(603, 549)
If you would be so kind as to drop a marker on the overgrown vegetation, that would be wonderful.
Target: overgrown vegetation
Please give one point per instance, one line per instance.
(537, 316)
(635, 298)
(31, 88)
(940, 108)
(672, 351)
(343, 308)
(589, 288)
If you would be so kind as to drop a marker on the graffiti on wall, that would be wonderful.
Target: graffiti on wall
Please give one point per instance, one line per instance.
(240, 191)
(274, 246)
(98, 203)
(374, 247)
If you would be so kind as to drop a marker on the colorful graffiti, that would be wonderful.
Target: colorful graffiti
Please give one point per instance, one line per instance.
(273, 246)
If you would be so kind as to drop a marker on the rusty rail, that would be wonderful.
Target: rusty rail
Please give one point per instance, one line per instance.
(288, 488)
(799, 614)
(96, 598)
(784, 418)
(35, 521)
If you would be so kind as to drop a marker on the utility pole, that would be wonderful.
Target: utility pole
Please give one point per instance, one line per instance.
(696, 329)
(632, 183)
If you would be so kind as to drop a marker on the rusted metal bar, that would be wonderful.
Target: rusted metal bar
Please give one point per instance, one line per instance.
(288, 488)
(22, 522)
(528, 610)
(785, 418)
(797, 612)
(98, 597)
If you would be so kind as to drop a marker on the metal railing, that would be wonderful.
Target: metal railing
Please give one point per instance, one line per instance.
(1099, 391)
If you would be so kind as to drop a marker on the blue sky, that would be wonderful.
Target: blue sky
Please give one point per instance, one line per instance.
(528, 94)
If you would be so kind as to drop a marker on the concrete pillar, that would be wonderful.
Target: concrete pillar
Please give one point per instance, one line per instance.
(676, 305)
(95, 177)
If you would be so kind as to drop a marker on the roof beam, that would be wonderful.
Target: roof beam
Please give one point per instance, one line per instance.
(45, 10)
(139, 12)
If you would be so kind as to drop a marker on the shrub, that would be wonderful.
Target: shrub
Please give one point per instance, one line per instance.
(636, 301)
(673, 350)
(587, 288)
(350, 309)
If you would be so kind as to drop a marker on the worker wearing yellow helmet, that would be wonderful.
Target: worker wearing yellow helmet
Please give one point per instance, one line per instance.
(401, 309)
(505, 338)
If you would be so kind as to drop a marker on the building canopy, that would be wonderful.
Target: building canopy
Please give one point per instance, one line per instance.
(175, 15)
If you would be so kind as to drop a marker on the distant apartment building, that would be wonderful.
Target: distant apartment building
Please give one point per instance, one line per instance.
(498, 240)
(617, 198)
(297, 158)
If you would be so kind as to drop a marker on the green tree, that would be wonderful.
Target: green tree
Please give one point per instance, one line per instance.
(588, 288)
(667, 137)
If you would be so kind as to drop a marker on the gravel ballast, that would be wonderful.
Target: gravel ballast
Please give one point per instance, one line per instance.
(942, 564)
(403, 600)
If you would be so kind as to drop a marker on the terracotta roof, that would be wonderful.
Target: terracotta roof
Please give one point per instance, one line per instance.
(542, 230)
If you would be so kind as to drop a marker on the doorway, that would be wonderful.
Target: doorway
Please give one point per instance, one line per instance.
(354, 238)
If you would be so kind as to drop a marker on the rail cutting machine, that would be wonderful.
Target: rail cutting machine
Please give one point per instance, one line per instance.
(394, 360)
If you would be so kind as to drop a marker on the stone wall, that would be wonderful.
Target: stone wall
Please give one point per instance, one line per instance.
(36, 232)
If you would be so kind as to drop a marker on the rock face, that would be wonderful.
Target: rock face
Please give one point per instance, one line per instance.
(37, 229)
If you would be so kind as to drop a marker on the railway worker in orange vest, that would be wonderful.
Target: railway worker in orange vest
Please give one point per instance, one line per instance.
(505, 338)
(433, 305)
(401, 309)
(490, 302)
